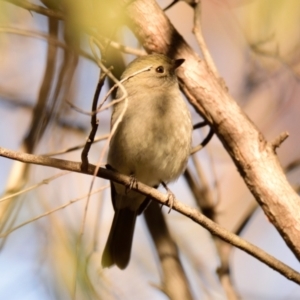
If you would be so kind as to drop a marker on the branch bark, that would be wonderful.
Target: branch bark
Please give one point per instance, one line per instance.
(253, 156)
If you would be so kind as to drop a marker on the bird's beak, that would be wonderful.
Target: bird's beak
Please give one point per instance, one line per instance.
(178, 62)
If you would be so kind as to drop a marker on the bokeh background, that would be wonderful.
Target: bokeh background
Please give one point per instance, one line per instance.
(255, 46)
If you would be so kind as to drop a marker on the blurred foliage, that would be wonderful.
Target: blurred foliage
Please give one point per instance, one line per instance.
(272, 29)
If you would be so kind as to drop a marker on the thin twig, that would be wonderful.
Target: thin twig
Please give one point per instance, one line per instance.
(122, 48)
(170, 5)
(292, 165)
(94, 122)
(200, 125)
(197, 30)
(78, 147)
(37, 8)
(50, 39)
(279, 140)
(245, 218)
(101, 107)
(30, 188)
(204, 142)
(3, 235)
(192, 3)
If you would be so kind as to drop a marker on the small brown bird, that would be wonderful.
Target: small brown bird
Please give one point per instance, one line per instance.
(152, 144)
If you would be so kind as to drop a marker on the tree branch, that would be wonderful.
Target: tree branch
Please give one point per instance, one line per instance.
(185, 210)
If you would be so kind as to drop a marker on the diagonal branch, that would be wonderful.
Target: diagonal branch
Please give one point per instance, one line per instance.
(185, 210)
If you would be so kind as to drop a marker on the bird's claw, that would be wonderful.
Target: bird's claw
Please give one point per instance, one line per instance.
(132, 184)
(170, 197)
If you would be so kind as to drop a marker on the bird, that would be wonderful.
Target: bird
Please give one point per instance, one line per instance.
(151, 144)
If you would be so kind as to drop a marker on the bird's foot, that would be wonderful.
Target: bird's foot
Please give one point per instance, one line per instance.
(132, 184)
(171, 197)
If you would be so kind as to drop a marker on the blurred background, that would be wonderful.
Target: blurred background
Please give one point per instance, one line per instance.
(48, 77)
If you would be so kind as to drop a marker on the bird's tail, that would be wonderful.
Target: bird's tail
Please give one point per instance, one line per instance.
(118, 246)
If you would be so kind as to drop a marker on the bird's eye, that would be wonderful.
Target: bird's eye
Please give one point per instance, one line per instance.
(160, 69)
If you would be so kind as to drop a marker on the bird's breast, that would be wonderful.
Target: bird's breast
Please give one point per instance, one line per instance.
(153, 140)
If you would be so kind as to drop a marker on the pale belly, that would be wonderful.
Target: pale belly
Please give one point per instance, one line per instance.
(153, 153)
